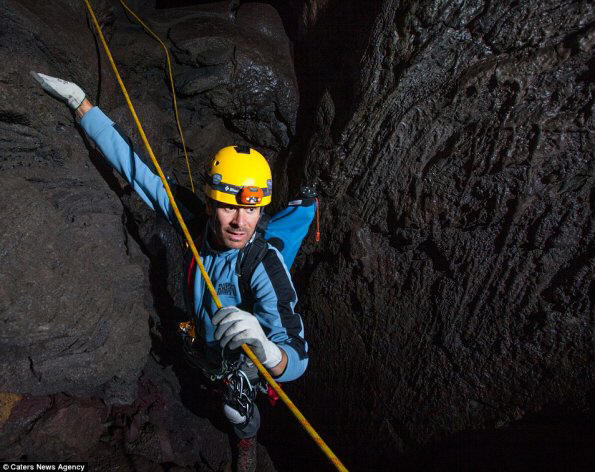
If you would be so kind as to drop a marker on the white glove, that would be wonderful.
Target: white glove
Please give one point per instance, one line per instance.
(236, 327)
(68, 92)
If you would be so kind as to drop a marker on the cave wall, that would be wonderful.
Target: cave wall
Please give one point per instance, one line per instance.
(74, 290)
(452, 143)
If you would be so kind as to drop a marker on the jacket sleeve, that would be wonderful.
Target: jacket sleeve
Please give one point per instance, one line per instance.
(275, 309)
(121, 156)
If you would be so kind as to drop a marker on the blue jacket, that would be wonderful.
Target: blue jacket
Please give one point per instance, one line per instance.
(271, 283)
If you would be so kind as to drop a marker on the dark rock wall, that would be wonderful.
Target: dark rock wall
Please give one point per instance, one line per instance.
(453, 145)
(73, 285)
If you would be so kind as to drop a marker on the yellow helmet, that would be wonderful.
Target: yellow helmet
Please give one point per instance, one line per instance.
(239, 175)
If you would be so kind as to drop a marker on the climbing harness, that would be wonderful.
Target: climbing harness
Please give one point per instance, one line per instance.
(213, 367)
(263, 371)
(240, 393)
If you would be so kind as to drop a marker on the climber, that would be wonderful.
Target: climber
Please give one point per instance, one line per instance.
(237, 186)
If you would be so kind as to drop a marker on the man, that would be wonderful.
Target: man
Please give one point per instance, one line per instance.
(238, 186)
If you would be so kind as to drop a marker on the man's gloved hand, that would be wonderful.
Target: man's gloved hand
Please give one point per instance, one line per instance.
(68, 92)
(236, 327)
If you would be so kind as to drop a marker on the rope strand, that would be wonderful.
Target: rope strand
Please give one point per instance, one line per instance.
(171, 82)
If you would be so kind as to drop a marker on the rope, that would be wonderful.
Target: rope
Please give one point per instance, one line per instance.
(171, 82)
(317, 221)
(303, 421)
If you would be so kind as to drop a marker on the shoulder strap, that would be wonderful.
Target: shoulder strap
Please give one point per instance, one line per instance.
(248, 259)
(194, 214)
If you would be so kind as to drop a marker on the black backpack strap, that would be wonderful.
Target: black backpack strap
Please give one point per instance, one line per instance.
(193, 211)
(248, 259)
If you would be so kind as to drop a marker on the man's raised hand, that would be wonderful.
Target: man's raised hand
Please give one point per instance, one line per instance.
(68, 92)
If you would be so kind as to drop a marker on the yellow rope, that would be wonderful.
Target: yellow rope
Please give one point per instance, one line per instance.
(303, 421)
(171, 82)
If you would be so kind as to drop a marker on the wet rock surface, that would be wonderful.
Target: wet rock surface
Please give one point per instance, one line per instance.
(157, 431)
(455, 157)
(242, 70)
(73, 285)
(449, 305)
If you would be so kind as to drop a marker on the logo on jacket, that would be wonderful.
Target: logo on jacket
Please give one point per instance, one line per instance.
(226, 288)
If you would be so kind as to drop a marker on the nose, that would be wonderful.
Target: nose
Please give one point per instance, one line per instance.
(239, 218)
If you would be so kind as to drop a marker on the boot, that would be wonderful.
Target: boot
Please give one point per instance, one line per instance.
(244, 459)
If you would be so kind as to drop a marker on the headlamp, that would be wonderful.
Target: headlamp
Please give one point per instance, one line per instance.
(250, 195)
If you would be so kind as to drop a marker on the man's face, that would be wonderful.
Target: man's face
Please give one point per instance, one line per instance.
(233, 225)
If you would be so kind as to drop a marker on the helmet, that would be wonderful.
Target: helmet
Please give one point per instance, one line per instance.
(239, 175)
